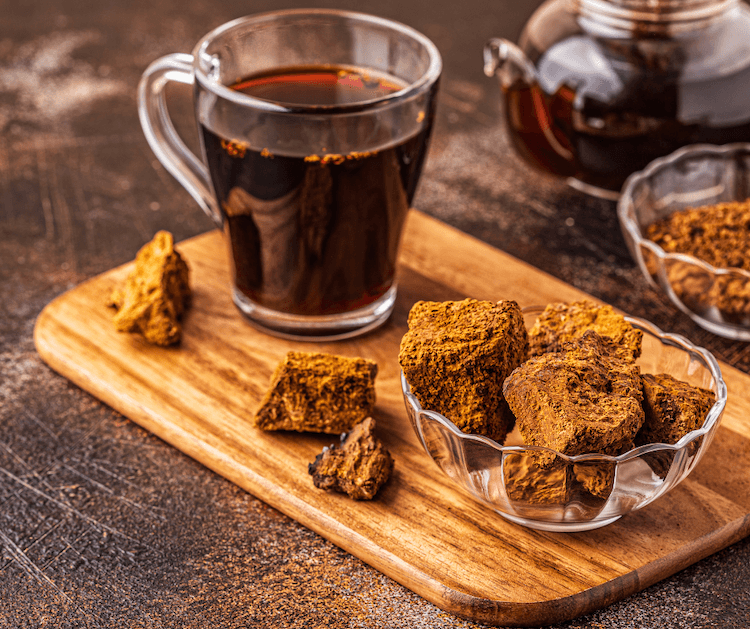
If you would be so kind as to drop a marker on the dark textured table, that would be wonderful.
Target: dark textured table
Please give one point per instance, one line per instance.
(104, 525)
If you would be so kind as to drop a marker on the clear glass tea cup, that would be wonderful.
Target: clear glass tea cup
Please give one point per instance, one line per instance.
(314, 129)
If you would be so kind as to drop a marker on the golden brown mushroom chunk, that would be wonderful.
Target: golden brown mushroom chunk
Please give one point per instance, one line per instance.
(673, 408)
(583, 398)
(156, 293)
(561, 323)
(456, 356)
(318, 392)
(358, 467)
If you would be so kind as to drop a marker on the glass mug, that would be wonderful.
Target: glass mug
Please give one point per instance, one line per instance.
(314, 128)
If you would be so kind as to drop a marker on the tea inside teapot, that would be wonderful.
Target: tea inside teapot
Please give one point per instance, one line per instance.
(593, 94)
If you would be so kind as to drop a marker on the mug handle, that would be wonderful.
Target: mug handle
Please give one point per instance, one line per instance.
(161, 135)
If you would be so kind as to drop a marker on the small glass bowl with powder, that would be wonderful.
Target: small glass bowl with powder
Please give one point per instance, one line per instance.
(686, 220)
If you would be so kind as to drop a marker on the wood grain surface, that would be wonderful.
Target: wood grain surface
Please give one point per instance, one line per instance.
(421, 530)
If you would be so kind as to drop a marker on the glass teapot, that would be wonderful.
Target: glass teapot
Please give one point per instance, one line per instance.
(596, 89)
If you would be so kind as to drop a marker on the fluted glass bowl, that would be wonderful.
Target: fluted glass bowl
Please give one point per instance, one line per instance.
(544, 489)
(717, 299)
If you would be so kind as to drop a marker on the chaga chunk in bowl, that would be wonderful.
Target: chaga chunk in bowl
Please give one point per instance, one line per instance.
(602, 428)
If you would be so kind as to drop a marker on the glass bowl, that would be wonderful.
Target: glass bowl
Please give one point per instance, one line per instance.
(717, 299)
(544, 489)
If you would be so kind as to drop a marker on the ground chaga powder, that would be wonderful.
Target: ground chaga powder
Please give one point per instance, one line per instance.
(718, 234)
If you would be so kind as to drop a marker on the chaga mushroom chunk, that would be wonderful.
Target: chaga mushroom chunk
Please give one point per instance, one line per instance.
(156, 293)
(583, 398)
(358, 467)
(673, 408)
(318, 392)
(561, 323)
(456, 355)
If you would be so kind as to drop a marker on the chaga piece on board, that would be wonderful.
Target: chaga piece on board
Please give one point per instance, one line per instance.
(156, 293)
(561, 323)
(318, 392)
(584, 398)
(673, 408)
(358, 467)
(456, 356)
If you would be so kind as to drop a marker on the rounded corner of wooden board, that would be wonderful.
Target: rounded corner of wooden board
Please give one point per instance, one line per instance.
(508, 613)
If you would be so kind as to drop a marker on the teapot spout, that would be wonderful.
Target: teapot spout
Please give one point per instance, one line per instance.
(506, 60)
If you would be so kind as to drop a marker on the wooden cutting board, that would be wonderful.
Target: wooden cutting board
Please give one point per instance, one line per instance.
(421, 531)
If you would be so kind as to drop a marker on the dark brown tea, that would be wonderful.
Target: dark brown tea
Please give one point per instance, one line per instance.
(315, 234)
(318, 86)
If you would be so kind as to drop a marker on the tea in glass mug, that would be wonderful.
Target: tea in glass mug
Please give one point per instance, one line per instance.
(314, 130)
